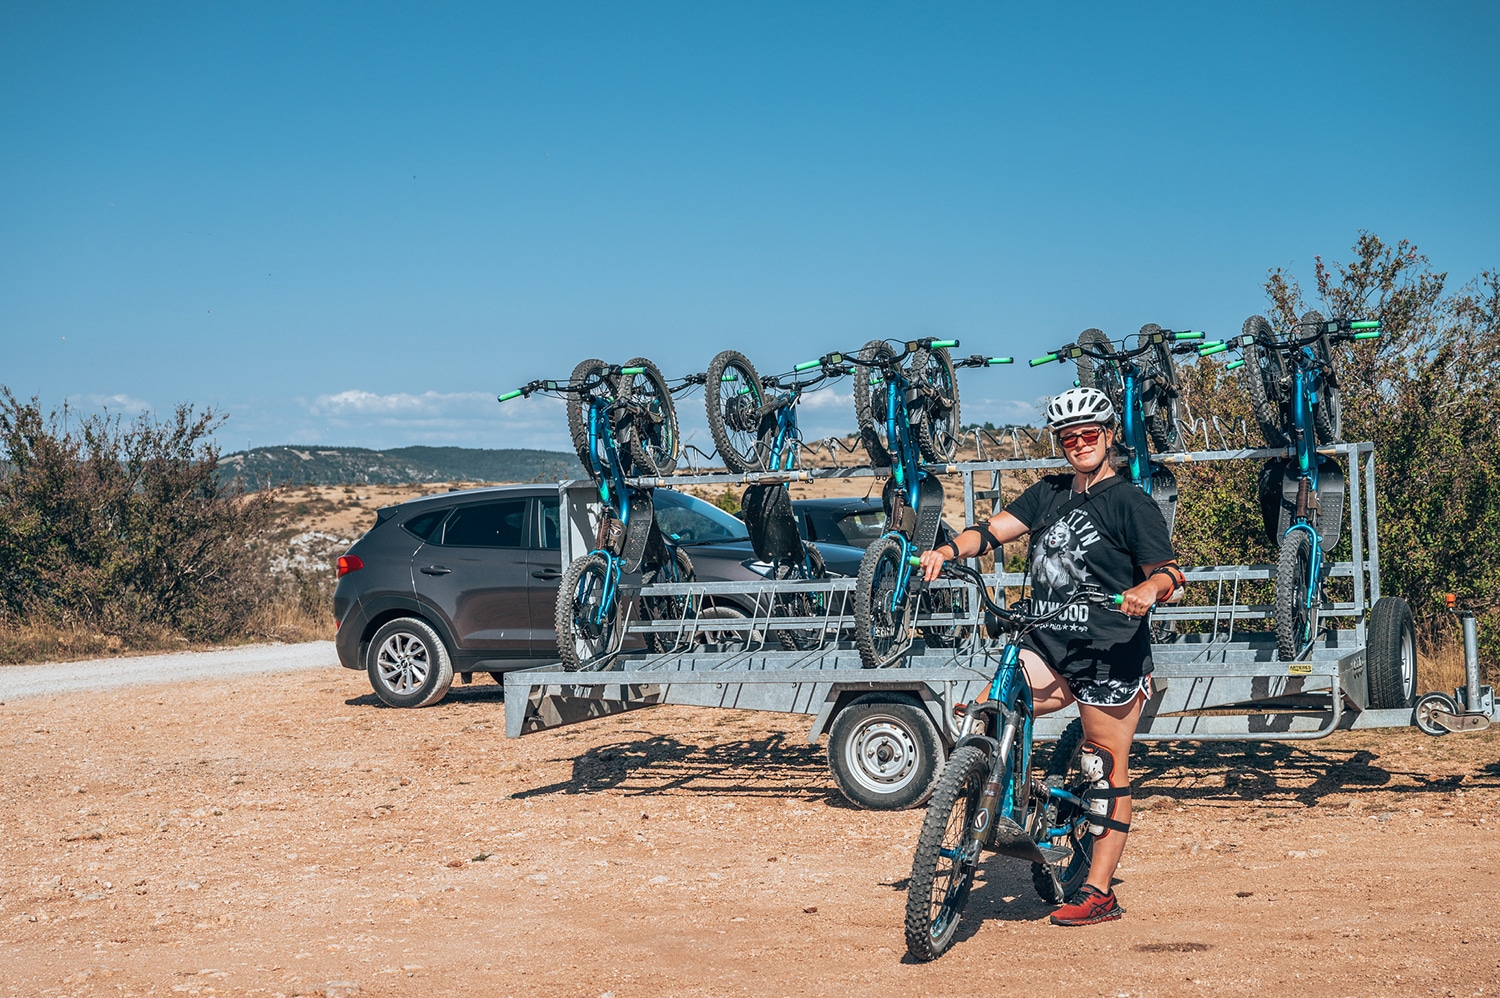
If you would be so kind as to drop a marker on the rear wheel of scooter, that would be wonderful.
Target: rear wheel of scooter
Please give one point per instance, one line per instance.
(1056, 882)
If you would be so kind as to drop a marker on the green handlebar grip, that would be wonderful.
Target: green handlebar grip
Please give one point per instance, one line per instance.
(632, 370)
(808, 365)
(1001, 360)
(914, 561)
(1234, 365)
(729, 376)
(1373, 334)
(1117, 599)
(510, 395)
(943, 344)
(1042, 360)
(1187, 336)
(1365, 324)
(1218, 346)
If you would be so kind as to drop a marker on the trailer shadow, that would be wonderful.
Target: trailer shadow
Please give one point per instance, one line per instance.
(1287, 773)
(783, 765)
(776, 765)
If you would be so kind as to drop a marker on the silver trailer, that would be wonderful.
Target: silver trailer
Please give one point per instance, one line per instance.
(1217, 675)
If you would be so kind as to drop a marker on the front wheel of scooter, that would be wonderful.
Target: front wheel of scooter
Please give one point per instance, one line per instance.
(942, 871)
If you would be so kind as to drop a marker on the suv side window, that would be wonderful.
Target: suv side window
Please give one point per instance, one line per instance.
(488, 525)
(424, 525)
(551, 528)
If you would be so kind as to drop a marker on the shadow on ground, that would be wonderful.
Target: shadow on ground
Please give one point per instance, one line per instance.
(784, 765)
(1265, 772)
(774, 766)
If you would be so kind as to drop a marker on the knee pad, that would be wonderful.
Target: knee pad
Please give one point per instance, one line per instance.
(1101, 796)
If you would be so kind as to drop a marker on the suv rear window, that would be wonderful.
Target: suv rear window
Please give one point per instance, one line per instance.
(488, 525)
(423, 526)
(863, 528)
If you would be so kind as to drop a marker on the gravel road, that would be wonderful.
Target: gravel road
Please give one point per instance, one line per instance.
(113, 673)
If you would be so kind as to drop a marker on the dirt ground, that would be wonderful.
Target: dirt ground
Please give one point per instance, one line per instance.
(287, 835)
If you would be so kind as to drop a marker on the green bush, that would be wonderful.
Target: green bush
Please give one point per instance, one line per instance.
(125, 528)
(1427, 393)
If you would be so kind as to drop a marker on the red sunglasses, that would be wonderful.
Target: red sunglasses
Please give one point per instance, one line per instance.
(1084, 438)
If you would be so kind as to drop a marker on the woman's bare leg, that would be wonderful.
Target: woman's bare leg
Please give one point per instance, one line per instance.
(1048, 690)
(1113, 729)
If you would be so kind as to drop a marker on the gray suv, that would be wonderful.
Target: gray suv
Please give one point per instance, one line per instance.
(466, 582)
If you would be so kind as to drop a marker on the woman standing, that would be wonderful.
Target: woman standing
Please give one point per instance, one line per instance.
(1089, 527)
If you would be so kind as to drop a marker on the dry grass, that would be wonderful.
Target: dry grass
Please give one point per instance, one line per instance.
(290, 620)
(286, 620)
(25, 643)
(1440, 665)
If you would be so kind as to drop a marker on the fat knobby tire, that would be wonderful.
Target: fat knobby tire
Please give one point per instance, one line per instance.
(937, 432)
(654, 447)
(869, 404)
(1100, 374)
(1052, 884)
(1162, 406)
(735, 459)
(869, 606)
(958, 789)
(567, 611)
(1262, 372)
(1328, 414)
(667, 608)
(1296, 622)
(578, 413)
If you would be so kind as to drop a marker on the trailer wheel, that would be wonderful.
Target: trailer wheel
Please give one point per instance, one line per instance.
(1391, 657)
(1426, 723)
(884, 752)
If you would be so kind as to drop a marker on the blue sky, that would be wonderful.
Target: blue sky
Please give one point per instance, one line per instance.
(356, 223)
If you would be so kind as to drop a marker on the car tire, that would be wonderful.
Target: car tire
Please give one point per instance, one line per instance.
(408, 664)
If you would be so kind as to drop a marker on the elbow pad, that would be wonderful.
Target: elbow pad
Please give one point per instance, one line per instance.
(986, 539)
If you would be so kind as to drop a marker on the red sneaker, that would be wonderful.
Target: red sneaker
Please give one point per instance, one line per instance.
(1088, 906)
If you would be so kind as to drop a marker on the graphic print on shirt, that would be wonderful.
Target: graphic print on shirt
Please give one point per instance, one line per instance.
(1058, 567)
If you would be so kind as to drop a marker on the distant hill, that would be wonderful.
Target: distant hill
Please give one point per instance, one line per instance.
(263, 467)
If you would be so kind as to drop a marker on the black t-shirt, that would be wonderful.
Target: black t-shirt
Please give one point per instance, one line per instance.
(1105, 541)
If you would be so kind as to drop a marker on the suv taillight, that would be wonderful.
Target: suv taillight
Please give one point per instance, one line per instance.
(349, 563)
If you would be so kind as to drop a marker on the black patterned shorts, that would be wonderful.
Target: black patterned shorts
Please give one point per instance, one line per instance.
(1108, 692)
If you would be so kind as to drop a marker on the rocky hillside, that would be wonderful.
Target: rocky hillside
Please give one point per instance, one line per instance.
(263, 467)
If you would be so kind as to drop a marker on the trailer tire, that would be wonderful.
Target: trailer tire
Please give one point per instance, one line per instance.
(1391, 656)
(884, 752)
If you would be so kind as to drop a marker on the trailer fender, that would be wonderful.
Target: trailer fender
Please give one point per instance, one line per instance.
(840, 697)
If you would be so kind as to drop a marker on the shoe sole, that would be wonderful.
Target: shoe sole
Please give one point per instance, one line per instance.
(1108, 916)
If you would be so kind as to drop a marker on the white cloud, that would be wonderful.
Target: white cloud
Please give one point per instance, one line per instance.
(399, 405)
(466, 419)
(118, 403)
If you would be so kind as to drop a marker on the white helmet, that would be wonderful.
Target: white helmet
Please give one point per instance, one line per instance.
(1077, 406)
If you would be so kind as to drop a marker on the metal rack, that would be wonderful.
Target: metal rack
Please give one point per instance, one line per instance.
(1224, 683)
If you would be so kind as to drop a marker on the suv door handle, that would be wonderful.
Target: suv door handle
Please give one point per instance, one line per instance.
(434, 570)
(548, 574)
